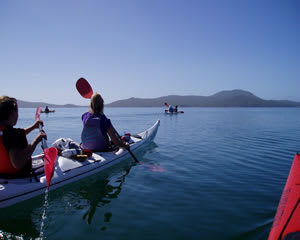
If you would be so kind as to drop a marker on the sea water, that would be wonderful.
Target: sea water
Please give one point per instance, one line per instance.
(225, 171)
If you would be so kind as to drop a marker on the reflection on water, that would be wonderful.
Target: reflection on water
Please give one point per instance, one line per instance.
(111, 187)
(22, 222)
(18, 224)
(107, 192)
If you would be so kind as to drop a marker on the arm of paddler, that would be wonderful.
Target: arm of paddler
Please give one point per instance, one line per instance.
(35, 125)
(115, 138)
(20, 157)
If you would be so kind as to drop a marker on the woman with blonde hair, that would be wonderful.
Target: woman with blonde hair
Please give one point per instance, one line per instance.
(97, 128)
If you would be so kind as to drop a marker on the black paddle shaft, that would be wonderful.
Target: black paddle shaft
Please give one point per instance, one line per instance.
(131, 153)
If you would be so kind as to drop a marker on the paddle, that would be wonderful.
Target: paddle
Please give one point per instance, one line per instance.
(131, 153)
(153, 168)
(86, 91)
(50, 154)
(84, 88)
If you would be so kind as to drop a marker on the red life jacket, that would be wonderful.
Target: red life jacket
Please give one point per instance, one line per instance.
(5, 164)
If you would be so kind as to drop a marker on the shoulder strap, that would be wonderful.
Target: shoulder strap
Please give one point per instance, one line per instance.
(104, 134)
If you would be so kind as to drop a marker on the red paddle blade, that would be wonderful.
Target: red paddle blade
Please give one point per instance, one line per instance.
(37, 113)
(152, 167)
(166, 104)
(84, 88)
(157, 169)
(50, 155)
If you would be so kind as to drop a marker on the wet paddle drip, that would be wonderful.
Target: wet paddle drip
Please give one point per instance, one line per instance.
(44, 215)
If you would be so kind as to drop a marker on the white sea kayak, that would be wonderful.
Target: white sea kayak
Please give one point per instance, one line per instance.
(68, 170)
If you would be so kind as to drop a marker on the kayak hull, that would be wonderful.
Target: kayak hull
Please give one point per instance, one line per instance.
(50, 111)
(68, 170)
(167, 112)
(287, 218)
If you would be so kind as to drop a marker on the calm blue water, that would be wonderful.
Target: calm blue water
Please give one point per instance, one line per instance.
(225, 171)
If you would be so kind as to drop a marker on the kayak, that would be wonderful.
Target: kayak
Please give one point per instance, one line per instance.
(167, 112)
(68, 170)
(286, 224)
(50, 111)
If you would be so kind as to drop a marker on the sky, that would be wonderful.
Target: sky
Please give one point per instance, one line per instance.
(149, 48)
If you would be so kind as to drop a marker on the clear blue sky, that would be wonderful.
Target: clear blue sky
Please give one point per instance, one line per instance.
(149, 48)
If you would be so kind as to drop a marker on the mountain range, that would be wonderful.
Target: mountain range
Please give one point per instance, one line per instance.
(231, 98)
(25, 104)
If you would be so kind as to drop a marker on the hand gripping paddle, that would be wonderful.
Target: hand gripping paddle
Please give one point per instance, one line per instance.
(50, 154)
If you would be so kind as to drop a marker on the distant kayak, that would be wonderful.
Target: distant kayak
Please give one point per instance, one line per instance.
(286, 224)
(50, 111)
(167, 112)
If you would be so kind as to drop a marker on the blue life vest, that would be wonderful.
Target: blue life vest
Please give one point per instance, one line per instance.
(92, 137)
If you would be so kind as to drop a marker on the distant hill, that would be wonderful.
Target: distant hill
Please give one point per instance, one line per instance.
(231, 98)
(24, 104)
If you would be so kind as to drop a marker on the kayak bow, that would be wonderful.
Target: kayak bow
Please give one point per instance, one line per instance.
(286, 223)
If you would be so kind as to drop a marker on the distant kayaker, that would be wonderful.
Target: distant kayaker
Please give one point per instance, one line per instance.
(47, 109)
(97, 128)
(176, 109)
(15, 152)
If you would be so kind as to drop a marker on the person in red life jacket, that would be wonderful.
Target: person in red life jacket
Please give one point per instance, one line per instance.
(15, 152)
(97, 128)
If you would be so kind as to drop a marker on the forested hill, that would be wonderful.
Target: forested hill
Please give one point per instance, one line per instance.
(232, 98)
(25, 104)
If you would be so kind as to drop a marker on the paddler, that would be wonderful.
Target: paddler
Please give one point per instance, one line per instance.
(171, 109)
(15, 152)
(176, 109)
(97, 128)
(47, 109)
